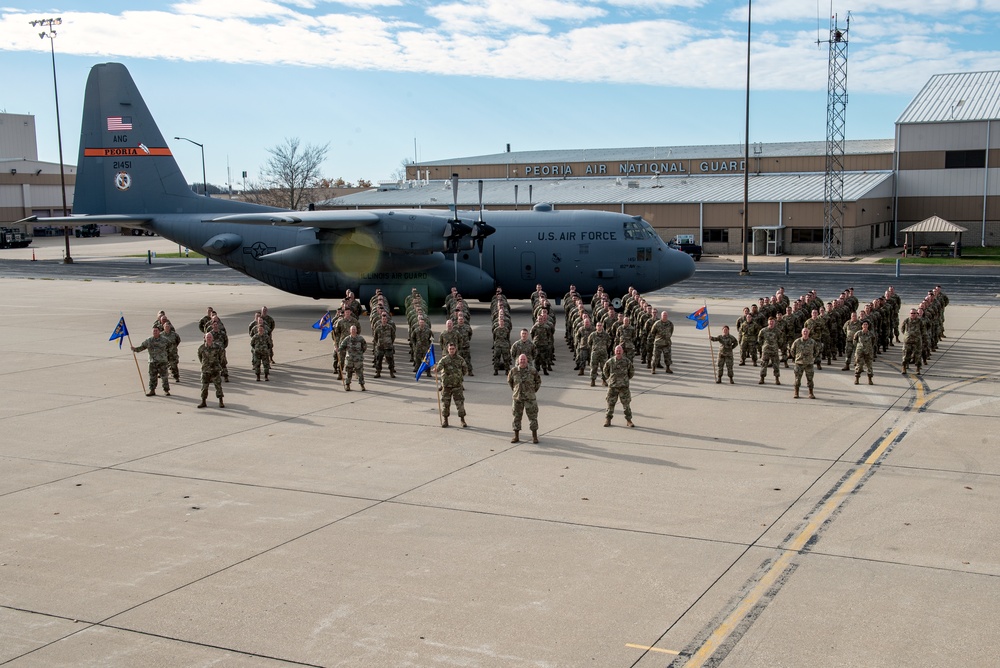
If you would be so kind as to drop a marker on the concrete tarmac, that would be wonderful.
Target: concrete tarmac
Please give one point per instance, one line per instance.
(306, 525)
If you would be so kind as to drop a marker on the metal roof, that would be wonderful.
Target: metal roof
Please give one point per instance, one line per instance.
(948, 98)
(667, 153)
(935, 224)
(590, 191)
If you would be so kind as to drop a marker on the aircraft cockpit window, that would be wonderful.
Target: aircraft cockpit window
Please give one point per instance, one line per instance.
(633, 229)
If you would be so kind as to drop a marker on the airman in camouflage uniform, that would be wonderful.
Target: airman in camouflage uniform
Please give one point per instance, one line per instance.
(260, 348)
(770, 350)
(222, 340)
(157, 346)
(600, 344)
(851, 327)
(352, 350)
(524, 346)
(524, 382)
(384, 342)
(210, 355)
(542, 336)
(727, 342)
(501, 343)
(805, 352)
(463, 327)
(421, 338)
(864, 352)
(450, 373)
(912, 330)
(581, 342)
(662, 332)
(173, 357)
(619, 371)
(748, 330)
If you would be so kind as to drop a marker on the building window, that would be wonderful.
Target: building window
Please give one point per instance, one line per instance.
(965, 159)
(807, 236)
(721, 235)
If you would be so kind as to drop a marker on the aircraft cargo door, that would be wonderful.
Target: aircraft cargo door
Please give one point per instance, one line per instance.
(527, 266)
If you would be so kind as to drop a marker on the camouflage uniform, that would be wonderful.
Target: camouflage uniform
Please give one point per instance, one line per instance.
(450, 372)
(420, 341)
(662, 332)
(864, 354)
(618, 373)
(851, 327)
(501, 347)
(352, 350)
(260, 349)
(805, 352)
(173, 357)
(599, 342)
(524, 383)
(528, 348)
(749, 329)
(383, 341)
(158, 365)
(210, 357)
(727, 342)
(769, 339)
(912, 330)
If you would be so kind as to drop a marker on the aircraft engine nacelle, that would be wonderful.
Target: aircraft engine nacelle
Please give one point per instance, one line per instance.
(222, 244)
(412, 233)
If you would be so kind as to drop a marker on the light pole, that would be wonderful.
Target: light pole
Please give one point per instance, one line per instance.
(746, 153)
(204, 180)
(51, 34)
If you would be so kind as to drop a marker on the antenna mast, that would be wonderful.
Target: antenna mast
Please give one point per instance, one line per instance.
(836, 118)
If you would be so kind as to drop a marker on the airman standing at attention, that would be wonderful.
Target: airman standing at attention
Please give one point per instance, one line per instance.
(864, 352)
(663, 332)
(221, 340)
(384, 340)
(805, 352)
(770, 350)
(421, 338)
(524, 381)
(526, 346)
(748, 330)
(157, 347)
(851, 327)
(260, 348)
(210, 355)
(161, 319)
(450, 372)
(205, 324)
(619, 371)
(541, 336)
(269, 321)
(173, 357)
(727, 342)
(912, 330)
(352, 350)
(463, 327)
(501, 343)
(599, 343)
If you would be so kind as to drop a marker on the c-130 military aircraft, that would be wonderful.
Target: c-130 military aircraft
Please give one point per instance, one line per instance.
(128, 177)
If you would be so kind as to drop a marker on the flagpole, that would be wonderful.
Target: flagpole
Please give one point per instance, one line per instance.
(438, 386)
(711, 348)
(142, 383)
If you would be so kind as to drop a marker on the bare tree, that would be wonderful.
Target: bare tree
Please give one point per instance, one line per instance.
(293, 169)
(400, 172)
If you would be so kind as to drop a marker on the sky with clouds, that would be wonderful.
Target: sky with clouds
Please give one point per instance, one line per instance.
(383, 81)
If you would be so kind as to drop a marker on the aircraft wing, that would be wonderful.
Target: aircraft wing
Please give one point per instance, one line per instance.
(83, 219)
(327, 220)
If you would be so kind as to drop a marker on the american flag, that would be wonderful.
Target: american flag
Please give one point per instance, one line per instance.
(116, 123)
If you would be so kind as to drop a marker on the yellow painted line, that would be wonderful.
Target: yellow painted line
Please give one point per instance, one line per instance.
(778, 567)
(652, 649)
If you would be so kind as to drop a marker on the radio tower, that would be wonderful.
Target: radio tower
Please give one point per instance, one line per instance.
(836, 117)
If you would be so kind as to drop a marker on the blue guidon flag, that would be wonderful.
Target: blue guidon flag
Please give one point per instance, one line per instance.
(700, 317)
(324, 325)
(121, 331)
(427, 364)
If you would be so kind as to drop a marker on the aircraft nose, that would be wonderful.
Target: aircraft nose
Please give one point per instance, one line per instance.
(675, 266)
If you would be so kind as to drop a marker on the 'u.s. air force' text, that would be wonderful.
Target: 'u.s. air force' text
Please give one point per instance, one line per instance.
(587, 235)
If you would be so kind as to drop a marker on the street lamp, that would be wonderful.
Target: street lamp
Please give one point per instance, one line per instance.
(51, 34)
(204, 180)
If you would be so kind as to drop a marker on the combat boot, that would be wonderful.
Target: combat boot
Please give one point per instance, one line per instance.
(629, 423)
(761, 381)
(668, 369)
(363, 387)
(266, 376)
(796, 395)
(534, 436)
(166, 392)
(151, 393)
(226, 376)
(846, 367)
(495, 372)
(857, 377)
(811, 395)
(718, 380)
(258, 376)
(593, 382)
(202, 404)
(392, 373)
(654, 371)
(462, 419)
(347, 387)
(870, 381)
(378, 374)
(517, 438)
(604, 382)
(904, 370)
(776, 381)
(221, 404)
(581, 372)
(819, 365)
(607, 422)
(444, 423)
(731, 381)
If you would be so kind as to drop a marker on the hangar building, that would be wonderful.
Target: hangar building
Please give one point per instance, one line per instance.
(944, 161)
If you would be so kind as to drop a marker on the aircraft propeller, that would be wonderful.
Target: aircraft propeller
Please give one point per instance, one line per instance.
(481, 229)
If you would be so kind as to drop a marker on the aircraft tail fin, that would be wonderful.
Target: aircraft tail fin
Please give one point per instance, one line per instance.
(125, 164)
